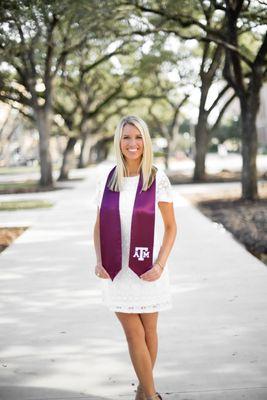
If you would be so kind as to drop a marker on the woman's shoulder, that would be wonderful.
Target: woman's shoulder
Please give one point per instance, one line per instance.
(161, 174)
(164, 188)
(103, 174)
(100, 183)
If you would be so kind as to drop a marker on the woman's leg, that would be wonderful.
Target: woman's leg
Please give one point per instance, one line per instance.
(139, 353)
(149, 321)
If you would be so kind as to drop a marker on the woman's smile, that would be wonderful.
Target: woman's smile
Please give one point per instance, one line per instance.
(132, 144)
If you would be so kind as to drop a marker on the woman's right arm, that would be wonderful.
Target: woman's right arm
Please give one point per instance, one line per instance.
(97, 239)
(99, 269)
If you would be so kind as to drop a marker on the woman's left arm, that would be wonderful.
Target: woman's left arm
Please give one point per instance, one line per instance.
(170, 231)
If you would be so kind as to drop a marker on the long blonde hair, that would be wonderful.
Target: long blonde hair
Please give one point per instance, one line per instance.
(146, 166)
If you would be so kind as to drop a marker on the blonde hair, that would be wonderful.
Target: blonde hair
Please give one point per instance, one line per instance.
(146, 166)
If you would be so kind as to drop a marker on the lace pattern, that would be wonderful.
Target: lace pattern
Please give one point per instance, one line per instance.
(164, 190)
(127, 292)
(141, 309)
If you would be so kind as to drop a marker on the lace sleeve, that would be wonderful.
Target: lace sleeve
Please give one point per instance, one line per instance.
(164, 188)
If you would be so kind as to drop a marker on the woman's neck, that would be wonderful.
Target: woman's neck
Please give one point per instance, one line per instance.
(132, 167)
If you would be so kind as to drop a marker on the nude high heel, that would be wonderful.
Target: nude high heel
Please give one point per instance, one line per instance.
(156, 396)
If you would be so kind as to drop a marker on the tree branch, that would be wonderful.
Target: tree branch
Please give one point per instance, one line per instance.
(221, 93)
(260, 57)
(226, 105)
(100, 60)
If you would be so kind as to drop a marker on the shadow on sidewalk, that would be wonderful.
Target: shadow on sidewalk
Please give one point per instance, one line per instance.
(43, 393)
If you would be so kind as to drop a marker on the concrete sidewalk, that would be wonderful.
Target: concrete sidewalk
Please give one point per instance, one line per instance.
(59, 342)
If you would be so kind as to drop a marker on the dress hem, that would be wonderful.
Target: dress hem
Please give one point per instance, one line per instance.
(140, 310)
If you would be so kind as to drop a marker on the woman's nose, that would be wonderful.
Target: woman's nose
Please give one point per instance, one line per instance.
(132, 141)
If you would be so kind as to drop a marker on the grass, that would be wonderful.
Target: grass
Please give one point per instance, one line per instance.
(18, 170)
(24, 205)
(177, 178)
(16, 185)
(22, 169)
(27, 186)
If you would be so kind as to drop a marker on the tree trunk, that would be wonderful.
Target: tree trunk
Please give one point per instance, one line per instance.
(201, 145)
(81, 162)
(66, 162)
(249, 108)
(87, 151)
(91, 159)
(44, 125)
(248, 91)
(167, 155)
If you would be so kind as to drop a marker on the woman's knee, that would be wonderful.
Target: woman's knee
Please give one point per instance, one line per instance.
(133, 328)
(135, 335)
(150, 325)
(150, 332)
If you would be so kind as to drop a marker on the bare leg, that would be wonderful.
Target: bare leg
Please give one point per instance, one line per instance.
(139, 353)
(149, 321)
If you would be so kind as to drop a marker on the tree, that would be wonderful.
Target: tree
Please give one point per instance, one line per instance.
(88, 87)
(165, 18)
(36, 38)
(168, 129)
(237, 25)
(245, 70)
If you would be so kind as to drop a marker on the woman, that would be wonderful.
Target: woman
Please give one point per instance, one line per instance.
(130, 260)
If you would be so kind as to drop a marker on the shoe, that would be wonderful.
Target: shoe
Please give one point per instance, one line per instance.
(140, 394)
(156, 396)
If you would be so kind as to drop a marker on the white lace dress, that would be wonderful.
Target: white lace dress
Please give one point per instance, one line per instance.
(127, 292)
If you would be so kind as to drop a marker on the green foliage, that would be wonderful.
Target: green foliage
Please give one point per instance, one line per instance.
(228, 130)
(158, 63)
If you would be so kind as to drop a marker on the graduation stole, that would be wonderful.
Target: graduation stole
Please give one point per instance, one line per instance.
(142, 229)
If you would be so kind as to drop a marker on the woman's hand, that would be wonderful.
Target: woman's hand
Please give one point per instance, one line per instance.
(152, 274)
(101, 272)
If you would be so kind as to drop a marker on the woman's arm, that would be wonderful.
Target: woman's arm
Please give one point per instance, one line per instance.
(97, 238)
(170, 231)
(99, 269)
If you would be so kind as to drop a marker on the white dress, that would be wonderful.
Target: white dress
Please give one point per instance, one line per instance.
(127, 292)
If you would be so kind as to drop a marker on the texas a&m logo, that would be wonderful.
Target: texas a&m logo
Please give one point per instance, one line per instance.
(141, 253)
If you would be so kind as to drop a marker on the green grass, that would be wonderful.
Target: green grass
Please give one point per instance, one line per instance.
(18, 185)
(22, 169)
(18, 170)
(24, 205)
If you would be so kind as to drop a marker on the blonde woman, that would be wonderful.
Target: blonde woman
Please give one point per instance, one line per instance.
(131, 259)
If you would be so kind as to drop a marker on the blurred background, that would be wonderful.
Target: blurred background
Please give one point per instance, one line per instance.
(195, 71)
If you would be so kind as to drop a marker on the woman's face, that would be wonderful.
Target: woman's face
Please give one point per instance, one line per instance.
(132, 145)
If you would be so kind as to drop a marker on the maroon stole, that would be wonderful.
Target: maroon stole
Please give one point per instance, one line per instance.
(142, 229)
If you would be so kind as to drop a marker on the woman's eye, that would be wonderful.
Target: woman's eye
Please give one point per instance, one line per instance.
(127, 137)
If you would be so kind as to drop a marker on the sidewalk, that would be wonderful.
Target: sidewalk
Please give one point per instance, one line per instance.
(58, 342)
